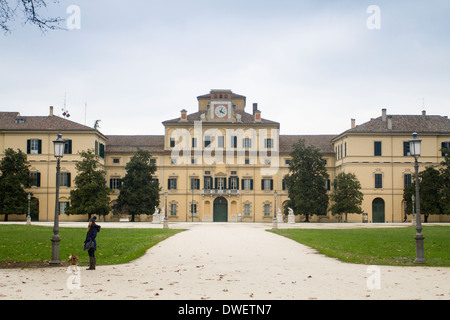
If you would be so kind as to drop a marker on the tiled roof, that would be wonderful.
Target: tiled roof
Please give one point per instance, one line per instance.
(233, 96)
(404, 123)
(155, 143)
(122, 144)
(14, 121)
(322, 142)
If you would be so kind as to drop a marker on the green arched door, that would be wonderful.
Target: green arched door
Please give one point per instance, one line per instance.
(34, 209)
(378, 210)
(220, 213)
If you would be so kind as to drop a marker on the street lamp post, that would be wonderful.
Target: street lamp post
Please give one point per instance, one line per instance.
(166, 222)
(192, 205)
(29, 215)
(275, 222)
(59, 153)
(414, 148)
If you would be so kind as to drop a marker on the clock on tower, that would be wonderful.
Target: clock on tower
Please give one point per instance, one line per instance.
(220, 111)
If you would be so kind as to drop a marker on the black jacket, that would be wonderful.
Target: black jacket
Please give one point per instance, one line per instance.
(92, 234)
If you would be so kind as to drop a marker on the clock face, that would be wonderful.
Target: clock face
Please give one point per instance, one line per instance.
(221, 111)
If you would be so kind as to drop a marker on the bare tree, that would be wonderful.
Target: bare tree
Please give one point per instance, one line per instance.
(29, 11)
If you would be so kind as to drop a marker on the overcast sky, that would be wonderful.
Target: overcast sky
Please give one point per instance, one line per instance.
(310, 65)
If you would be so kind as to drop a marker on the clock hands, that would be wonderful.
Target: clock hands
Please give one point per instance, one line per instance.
(221, 112)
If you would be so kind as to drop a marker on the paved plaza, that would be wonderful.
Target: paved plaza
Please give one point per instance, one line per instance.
(239, 261)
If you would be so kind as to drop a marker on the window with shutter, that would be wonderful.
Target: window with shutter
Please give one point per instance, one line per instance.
(62, 207)
(233, 141)
(267, 210)
(247, 210)
(445, 145)
(173, 209)
(64, 179)
(378, 181)
(207, 183)
(233, 183)
(221, 183)
(172, 184)
(407, 180)
(207, 141)
(267, 184)
(34, 146)
(268, 143)
(220, 141)
(36, 179)
(247, 143)
(102, 151)
(195, 184)
(247, 184)
(377, 148)
(406, 150)
(68, 147)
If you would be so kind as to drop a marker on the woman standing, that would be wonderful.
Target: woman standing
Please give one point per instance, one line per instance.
(90, 244)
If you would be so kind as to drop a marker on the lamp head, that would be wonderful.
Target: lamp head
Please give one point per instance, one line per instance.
(59, 145)
(414, 145)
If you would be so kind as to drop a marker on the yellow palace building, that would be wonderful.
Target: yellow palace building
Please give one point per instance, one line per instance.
(225, 163)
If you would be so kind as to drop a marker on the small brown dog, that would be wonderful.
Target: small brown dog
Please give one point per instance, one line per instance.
(73, 260)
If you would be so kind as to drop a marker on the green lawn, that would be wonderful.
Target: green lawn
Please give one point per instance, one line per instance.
(23, 246)
(384, 246)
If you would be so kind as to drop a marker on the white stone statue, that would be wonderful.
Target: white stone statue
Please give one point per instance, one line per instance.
(279, 216)
(156, 216)
(291, 216)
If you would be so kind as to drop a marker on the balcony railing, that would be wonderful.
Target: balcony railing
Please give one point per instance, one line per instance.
(222, 192)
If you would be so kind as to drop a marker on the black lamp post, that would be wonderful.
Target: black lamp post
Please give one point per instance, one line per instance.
(29, 214)
(275, 222)
(414, 148)
(58, 145)
(166, 222)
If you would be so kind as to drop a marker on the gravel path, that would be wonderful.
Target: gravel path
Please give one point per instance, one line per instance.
(228, 261)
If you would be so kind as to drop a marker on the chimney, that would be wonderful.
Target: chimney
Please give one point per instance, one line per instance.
(389, 123)
(257, 115)
(183, 115)
(51, 111)
(255, 108)
(424, 114)
(383, 115)
(353, 123)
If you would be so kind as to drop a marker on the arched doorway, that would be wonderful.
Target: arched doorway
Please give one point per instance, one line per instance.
(220, 213)
(34, 209)
(378, 210)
